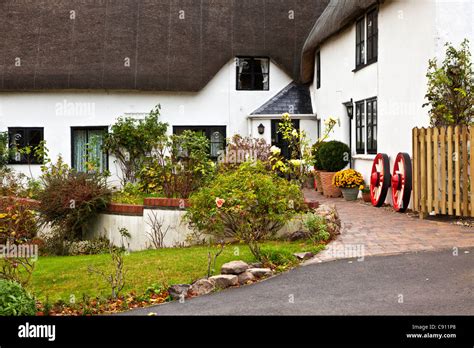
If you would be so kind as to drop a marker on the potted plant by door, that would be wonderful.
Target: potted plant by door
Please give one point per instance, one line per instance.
(365, 193)
(334, 156)
(349, 181)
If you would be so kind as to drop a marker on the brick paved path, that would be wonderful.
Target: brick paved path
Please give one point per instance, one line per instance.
(377, 231)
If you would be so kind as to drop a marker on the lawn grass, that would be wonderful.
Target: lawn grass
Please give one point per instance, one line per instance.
(60, 277)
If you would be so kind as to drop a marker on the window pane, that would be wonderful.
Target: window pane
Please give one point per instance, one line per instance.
(217, 143)
(252, 73)
(95, 153)
(19, 138)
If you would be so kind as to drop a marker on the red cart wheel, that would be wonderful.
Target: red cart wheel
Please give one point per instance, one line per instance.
(379, 179)
(401, 182)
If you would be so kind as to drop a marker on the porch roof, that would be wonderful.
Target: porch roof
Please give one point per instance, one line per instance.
(294, 99)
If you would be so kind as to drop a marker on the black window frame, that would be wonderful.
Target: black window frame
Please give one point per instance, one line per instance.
(87, 128)
(25, 159)
(360, 43)
(360, 127)
(371, 141)
(208, 131)
(318, 69)
(372, 36)
(252, 75)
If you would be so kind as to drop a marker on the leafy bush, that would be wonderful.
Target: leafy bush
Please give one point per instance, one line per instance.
(451, 88)
(334, 155)
(131, 141)
(130, 194)
(249, 204)
(15, 300)
(348, 178)
(18, 223)
(70, 199)
(18, 184)
(317, 155)
(180, 167)
(317, 228)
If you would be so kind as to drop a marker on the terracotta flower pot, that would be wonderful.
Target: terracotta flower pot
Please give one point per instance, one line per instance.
(326, 183)
(366, 196)
(350, 194)
(317, 178)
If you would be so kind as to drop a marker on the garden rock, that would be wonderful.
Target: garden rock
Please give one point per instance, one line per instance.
(331, 217)
(246, 277)
(297, 235)
(256, 265)
(260, 272)
(234, 267)
(202, 287)
(179, 290)
(304, 256)
(223, 281)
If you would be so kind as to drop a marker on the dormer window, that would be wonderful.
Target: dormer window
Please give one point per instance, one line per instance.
(252, 74)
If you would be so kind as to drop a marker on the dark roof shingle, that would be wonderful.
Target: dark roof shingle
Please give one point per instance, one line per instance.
(294, 99)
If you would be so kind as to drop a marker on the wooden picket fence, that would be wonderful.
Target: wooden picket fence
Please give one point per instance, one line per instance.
(443, 165)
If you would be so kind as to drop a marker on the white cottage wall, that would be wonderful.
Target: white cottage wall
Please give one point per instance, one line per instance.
(410, 33)
(219, 103)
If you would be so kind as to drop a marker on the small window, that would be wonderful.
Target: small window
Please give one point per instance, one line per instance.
(372, 36)
(372, 126)
(20, 138)
(359, 128)
(360, 43)
(253, 74)
(87, 152)
(215, 134)
(318, 70)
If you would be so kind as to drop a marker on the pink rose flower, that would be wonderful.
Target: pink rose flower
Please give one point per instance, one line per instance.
(219, 202)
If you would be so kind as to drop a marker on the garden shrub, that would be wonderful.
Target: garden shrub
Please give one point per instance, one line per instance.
(180, 167)
(18, 184)
(334, 156)
(249, 204)
(18, 223)
(70, 199)
(131, 141)
(130, 194)
(317, 228)
(451, 88)
(15, 300)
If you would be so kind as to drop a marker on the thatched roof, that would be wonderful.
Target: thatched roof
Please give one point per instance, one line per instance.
(86, 44)
(337, 16)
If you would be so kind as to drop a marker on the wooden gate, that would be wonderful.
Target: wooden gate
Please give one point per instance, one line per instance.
(443, 165)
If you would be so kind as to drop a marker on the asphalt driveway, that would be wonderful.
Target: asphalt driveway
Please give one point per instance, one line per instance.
(423, 283)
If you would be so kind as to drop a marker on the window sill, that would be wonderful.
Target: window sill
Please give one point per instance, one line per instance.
(364, 157)
(364, 66)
